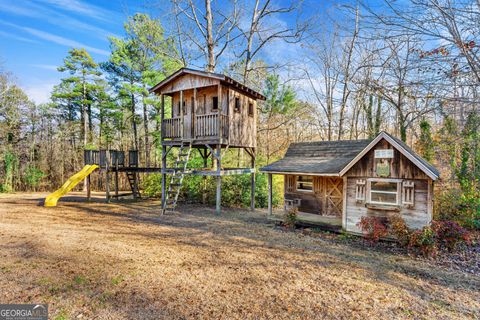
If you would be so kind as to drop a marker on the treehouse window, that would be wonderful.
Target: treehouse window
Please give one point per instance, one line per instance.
(305, 183)
(184, 108)
(250, 109)
(384, 192)
(237, 104)
(215, 103)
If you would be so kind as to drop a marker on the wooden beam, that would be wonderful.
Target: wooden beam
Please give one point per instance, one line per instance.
(164, 176)
(181, 115)
(213, 152)
(252, 183)
(107, 176)
(219, 183)
(162, 116)
(270, 209)
(194, 110)
(219, 120)
(344, 208)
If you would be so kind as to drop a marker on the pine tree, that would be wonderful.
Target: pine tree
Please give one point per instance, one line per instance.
(84, 72)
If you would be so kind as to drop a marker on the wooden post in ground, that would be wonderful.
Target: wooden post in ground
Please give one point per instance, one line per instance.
(107, 175)
(270, 194)
(164, 175)
(89, 196)
(204, 178)
(252, 191)
(164, 150)
(219, 179)
(116, 174)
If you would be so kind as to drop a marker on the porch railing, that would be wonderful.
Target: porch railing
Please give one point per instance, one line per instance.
(172, 128)
(204, 126)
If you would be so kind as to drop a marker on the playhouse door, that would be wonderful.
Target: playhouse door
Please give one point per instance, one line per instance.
(334, 196)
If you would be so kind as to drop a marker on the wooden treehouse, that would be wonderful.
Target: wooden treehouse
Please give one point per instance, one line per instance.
(209, 112)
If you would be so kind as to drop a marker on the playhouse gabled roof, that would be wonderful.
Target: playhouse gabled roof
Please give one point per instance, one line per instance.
(221, 77)
(335, 158)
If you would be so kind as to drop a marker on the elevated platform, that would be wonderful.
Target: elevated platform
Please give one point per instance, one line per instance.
(193, 171)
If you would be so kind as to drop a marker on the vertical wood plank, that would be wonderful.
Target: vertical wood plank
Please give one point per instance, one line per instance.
(164, 175)
(219, 180)
(182, 129)
(344, 207)
(252, 178)
(270, 194)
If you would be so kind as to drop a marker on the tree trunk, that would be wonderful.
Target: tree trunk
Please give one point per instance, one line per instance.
(210, 44)
(146, 132)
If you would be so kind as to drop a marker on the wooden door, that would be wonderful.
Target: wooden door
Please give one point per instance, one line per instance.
(333, 205)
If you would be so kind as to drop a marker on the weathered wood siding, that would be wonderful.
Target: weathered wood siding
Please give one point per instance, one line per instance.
(239, 127)
(188, 82)
(415, 217)
(401, 166)
(242, 125)
(326, 198)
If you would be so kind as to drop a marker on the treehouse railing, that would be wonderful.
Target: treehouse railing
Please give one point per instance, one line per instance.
(172, 128)
(206, 125)
(114, 158)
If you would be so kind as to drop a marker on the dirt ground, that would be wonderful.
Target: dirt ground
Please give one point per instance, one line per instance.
(124, 261)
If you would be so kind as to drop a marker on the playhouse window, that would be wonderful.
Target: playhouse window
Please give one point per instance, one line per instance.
(250, 109)
(305, 183)
(237, 104)
(215, 103)
(384, 192)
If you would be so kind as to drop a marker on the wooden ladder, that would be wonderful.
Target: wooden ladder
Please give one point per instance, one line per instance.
(179, 171)
(132, 177)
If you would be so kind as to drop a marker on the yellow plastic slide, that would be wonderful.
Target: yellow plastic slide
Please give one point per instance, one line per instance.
(51, 199)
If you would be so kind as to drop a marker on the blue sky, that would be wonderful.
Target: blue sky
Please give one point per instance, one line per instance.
(35, 35)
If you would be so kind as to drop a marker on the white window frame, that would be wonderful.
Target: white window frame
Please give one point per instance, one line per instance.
(398, 193)
(297, 184)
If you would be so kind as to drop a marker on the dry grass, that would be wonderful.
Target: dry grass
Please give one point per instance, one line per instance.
(123, 260)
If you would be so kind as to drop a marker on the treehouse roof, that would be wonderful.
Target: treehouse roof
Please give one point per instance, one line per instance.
(335, 158)
(220, 78)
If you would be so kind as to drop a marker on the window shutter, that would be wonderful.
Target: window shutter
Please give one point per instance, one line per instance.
(360, 190)
(408, 193)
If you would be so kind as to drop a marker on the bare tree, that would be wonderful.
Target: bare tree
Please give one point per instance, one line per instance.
(211, 31)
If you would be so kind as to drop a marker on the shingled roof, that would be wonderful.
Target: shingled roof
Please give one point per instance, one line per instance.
(335, 158)
(319, 157)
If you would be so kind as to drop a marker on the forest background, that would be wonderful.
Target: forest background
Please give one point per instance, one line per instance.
(409, 67)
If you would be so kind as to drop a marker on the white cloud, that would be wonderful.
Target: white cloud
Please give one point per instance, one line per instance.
(82, 8)
(40, 92)
(45, 66)
(16, 37)
(32, 10)
(57, 39)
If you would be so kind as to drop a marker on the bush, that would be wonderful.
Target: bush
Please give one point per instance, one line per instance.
(235, 189)
(373, 228)
(400, 230)
(290, 218)
(450, 234)
(423, 241)
(461, 206)
(33, 176)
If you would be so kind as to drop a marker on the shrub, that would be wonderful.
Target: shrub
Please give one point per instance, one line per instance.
(450, 234)
(290, 218)
(33, 176)
(423, 241)
(400, 230)
(373, 228)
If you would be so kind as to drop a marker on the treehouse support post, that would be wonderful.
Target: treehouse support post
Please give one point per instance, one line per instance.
(270, 194)
(219, 179)
(252, 191)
